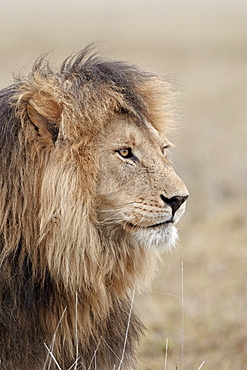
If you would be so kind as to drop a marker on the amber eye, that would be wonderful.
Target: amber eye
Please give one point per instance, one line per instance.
(164, 149)
(125, 153)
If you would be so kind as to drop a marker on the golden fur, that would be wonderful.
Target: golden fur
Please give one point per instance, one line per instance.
(81, 225)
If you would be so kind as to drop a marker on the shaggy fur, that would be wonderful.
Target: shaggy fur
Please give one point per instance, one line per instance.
(65, 282)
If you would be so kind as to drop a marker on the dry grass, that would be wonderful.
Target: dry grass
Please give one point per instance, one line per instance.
(204, 47)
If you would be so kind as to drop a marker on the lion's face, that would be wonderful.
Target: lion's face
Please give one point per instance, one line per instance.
(138, 190)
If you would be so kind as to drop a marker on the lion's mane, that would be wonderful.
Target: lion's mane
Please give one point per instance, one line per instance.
(65, 283)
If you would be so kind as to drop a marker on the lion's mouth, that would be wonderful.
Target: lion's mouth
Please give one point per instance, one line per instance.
(160, 224)
(153, 226)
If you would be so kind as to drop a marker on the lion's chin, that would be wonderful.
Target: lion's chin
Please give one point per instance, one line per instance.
(164, 237)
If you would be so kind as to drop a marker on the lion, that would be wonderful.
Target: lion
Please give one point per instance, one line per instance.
(88, 202)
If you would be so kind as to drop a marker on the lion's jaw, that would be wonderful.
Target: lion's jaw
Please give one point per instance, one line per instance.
(136, 183)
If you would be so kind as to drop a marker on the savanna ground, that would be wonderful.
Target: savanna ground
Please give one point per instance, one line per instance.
(203, 45)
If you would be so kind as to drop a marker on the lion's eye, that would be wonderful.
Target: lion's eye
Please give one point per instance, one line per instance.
(165, 148)
(125, 153)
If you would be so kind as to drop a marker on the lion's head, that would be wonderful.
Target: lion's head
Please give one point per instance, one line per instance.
(88, 199)
(138, 191)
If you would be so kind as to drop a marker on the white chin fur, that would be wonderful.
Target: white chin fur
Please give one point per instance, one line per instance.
(163, 238)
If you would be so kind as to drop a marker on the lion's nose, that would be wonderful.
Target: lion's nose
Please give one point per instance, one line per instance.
(174, 202)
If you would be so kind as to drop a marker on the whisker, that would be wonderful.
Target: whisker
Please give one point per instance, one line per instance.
(122, 209)
(114, 220)
(123, 206)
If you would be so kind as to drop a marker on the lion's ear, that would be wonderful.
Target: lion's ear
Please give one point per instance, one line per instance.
(45, 115)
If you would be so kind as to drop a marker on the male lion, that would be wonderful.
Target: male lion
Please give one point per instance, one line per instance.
(88, 200)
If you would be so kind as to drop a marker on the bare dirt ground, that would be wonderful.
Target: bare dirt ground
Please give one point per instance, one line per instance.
(202, 45)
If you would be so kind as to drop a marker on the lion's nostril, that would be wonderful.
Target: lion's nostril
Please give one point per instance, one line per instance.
(174, 202)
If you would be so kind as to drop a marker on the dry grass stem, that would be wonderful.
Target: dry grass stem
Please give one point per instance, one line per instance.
(53, 357)
(49, 358)
(75, 364)
(127, 330)
(166, 356)
(94, 357)
(201, 365)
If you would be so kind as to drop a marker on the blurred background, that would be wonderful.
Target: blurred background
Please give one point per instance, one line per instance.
(203, 46)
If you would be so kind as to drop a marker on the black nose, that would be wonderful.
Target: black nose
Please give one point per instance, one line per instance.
(174, 202)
